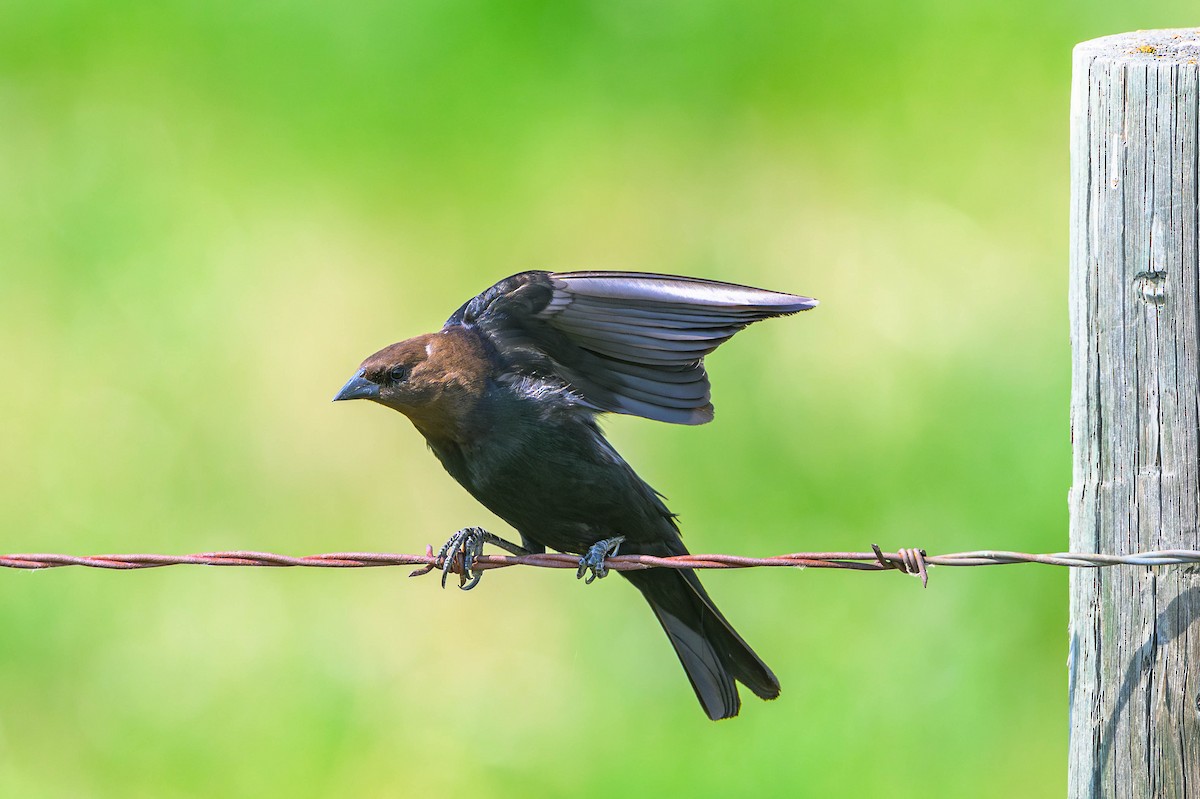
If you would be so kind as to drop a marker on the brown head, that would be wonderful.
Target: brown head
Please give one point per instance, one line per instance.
(436, 380)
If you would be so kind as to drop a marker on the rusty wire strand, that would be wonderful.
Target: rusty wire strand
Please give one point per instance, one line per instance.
(908, 561)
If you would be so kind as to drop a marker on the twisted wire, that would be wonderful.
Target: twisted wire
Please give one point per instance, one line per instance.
(908, 561)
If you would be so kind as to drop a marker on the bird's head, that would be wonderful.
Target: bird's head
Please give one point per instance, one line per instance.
(435, 380)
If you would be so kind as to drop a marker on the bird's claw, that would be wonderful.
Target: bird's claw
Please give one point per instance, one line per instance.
(461, 550)
(593, 561)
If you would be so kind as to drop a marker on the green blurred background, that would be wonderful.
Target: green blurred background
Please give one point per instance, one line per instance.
(210, 212)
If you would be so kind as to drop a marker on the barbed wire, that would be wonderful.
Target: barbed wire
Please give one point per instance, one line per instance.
(907, 561)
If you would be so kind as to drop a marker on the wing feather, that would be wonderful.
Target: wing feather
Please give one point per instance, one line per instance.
(627, 342)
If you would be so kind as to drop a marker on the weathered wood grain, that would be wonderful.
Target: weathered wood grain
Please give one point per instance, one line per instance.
(1135, 414)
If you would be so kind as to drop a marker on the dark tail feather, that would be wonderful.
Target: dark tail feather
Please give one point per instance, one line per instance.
(711, 651)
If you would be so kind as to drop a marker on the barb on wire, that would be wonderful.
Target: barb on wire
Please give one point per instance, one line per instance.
(907, 561)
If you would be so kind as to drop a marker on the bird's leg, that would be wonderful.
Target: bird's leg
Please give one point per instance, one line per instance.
(464, 547)
(593, 561)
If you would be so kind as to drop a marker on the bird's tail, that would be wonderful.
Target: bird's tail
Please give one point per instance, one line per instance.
(711, 651)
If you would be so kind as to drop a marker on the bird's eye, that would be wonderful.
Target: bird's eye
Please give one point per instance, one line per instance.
(398, 374)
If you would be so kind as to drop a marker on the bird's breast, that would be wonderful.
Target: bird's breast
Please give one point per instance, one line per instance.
(556, 481)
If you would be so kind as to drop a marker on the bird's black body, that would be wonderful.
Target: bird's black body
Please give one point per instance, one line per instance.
(507, 393)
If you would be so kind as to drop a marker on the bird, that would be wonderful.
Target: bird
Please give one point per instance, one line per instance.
(507, 396)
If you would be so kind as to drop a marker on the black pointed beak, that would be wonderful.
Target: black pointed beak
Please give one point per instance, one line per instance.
(358, 387)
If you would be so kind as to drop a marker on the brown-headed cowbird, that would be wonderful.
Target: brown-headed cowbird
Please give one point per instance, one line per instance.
(507, 395)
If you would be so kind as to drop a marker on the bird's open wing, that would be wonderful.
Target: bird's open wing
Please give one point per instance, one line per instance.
(628, 342)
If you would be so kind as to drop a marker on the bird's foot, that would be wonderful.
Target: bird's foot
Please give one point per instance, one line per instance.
(459, 554)
(593, 561)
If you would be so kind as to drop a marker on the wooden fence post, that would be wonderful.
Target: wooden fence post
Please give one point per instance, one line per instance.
(1135, 414)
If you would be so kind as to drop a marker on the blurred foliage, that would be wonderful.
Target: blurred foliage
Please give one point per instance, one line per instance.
(210, 212)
